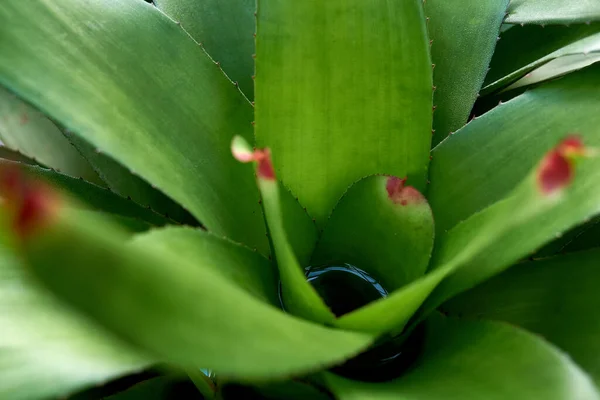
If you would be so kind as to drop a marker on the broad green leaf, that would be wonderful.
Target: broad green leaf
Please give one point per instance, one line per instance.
(463, 37)
(297, 294)
(97, 198)
(525, 44)
(552, 11)
(26, 130)
(46, 350)
(124, 183)
(481, 163)
(183, 312)
(478, 360)
(240, 265)
(549, 65)
(224, 29)
(579, 238)
(556, 298)
(132, 83)
(343, 90)
(490, 241)
(383, 228)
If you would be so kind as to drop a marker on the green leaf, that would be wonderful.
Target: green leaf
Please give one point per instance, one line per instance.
(552, 11)
(525, 44)
(485, 160)
(26, 130)
(234, 262)
(224, 29)
(184, 312)
(478, 360)
(490, 241)
(297, 294)
(547, 65)
(98, 198)
(124, 183)
(144, 93)
(46, 350)
(463, 38)
(581, 237)
(383, 228)
(556, 298)
(343, 90)
(556, 68)
(14, 155)
(587, 239)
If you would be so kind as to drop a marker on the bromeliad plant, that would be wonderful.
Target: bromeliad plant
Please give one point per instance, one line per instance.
(319, 273)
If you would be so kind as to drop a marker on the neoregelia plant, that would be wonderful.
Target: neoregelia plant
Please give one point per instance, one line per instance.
(284, 199)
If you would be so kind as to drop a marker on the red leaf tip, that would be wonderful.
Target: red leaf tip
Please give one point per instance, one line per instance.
(265, 165)
(31, 205)
(556, 170)
(401, 194)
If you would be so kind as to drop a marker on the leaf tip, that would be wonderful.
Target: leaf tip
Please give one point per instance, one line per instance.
(401, 194)
(31, 205)
(242, 152)
(556, 170)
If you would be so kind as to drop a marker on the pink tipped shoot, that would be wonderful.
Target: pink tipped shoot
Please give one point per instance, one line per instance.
(31, 205)
(244, 153)
(401, 194)
(557, 168)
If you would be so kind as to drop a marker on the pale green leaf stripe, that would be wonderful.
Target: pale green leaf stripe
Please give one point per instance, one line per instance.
(556, 298)
(463, 37)
(26, 130)
(587, 48)
(131, 82)
(224, 29)
(46, 350)
(343, 90)
(297, 294)
(483, 161)
(183, 312)
(478, 360)
(552, 11)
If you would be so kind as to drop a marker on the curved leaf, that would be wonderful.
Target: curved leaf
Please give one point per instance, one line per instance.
(527, 43)
(98, 198)
(493, 239)
(124, 183)
(552, 11)
(224, 29)
(299, 226)
(185, 313)
(478, 360)
(245, 268)
(463, 37)
(556, 298)
(26, 130)
(383, 228)
(545, 67)
(46, 350)
(343, 90)
(483, 161)
(132, 83)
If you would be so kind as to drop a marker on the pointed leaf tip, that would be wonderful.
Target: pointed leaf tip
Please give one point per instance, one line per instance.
(401, 194)
(557, 167)
(31, 205)
(244, 153)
